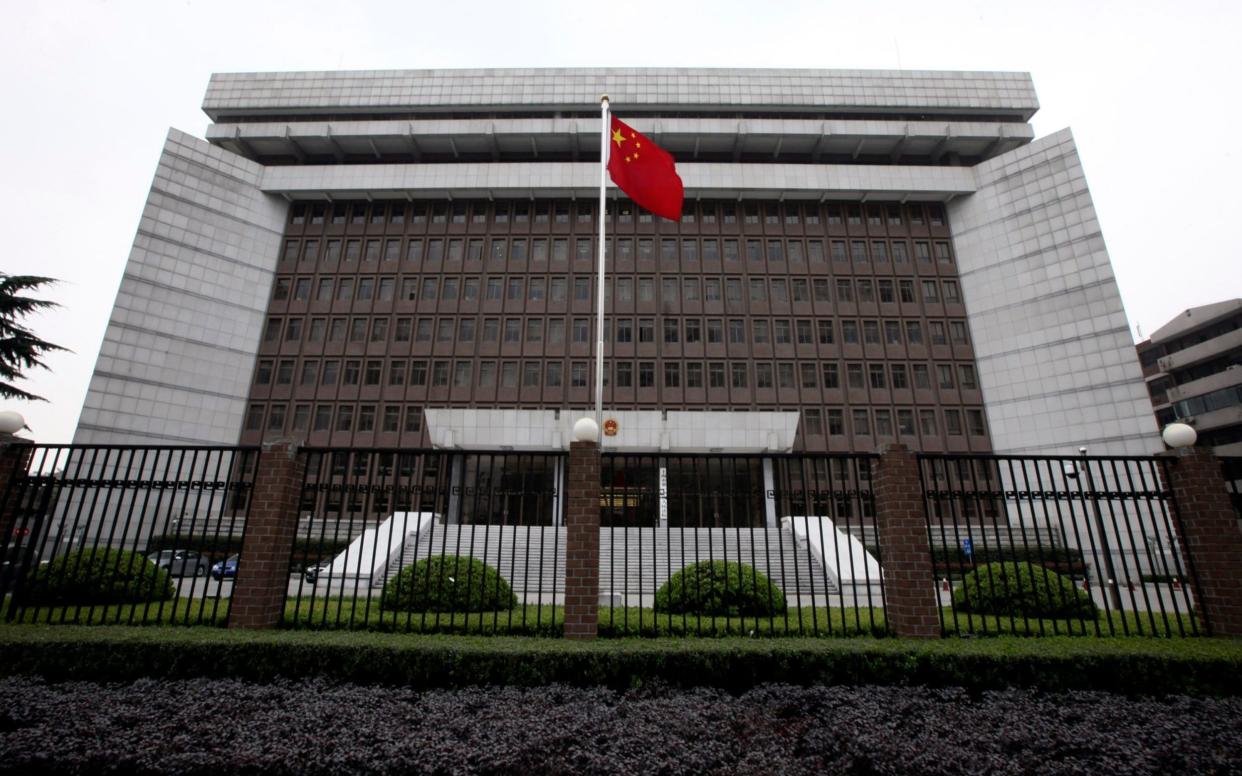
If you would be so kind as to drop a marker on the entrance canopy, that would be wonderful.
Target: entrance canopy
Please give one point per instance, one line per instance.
(636, 430)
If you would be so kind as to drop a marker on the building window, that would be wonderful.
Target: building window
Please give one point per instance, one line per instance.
(254, 417)
(825, 330)
(905, 422)
(953, 422)
(763, 376)
(646, 330)
(862, 423)
(413, 420)
(694, 375)
(831, 375)
(914, 333)
(785, 375)
(625, 375)
(672, 375)
(671, 330)
(578, 374)
(487, 374)
(530, 374)
(877, 376)
(646, 374)
(439, 374)
(812, 423)
(739, 375)
(854, 375)
(966, 377)
(366, 417)
(900, 379)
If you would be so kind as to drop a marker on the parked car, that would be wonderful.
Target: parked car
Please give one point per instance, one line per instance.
(179, 563)
(225, 569)
(312, 573)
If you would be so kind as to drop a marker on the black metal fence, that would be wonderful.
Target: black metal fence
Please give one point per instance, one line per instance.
(115, 533)
(1231, 470)
(429, 540)
(738, 544)
(1070, 545)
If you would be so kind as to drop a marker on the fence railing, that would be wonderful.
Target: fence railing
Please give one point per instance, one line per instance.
(1070, 545)
(132, 534)
(429, 540)
(738, 544)
(705, 544)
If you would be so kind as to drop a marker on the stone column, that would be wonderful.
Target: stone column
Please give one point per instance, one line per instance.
(911, 604)
(582, 542)
(258, 599)
(1211, 539)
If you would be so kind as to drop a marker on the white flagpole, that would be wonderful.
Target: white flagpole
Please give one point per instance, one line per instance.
(599, 344)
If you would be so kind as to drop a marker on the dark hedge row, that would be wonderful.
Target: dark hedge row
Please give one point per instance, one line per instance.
(317, 727)
(1134, 666)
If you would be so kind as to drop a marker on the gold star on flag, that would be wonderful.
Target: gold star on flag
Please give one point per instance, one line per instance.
(617, 137)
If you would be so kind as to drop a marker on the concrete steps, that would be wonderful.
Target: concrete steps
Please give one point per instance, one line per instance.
(632, 560)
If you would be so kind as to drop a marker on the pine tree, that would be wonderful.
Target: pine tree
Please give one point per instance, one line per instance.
(20, 349)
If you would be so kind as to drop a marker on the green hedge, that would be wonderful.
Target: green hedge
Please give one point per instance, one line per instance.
(96, 576)
(448, 583)
(1022, 590)
(720, 588)
(1127, 666)
(952, 563)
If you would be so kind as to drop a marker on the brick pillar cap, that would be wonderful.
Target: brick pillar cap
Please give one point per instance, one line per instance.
(894, 447)
(1176, 454)
(291, 445)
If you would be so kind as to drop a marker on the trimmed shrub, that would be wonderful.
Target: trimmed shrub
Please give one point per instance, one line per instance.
(1021, 590)
(448, 583)
(98, 575)
(720, 588)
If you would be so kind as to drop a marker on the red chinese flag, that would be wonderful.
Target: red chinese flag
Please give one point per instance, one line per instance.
(645, 171)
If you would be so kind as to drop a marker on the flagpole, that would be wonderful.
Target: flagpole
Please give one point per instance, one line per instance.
(599, 344)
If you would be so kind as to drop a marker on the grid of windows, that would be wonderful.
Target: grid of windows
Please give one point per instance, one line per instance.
(826, 306)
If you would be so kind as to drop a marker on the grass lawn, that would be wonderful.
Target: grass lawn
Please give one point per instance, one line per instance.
(546, 620)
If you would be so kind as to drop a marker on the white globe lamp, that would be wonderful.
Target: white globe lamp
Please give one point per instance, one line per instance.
(11, 422)
(1178, 435)
(586, 430)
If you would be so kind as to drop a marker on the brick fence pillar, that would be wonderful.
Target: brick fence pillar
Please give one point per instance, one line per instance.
(911, 605)
(582, 542)
(258, 599)
(15, 454)
(1210, 537)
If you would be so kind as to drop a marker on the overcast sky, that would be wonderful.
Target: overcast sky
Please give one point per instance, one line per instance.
(90, 89)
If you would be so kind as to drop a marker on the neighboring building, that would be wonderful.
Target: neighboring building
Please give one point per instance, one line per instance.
(1193, 366)
(407, 258)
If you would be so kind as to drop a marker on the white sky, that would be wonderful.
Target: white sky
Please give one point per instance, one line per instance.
(89, 90)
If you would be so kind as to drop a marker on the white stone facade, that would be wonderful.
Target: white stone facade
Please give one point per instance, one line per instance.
(1056, 360)
(178, 354)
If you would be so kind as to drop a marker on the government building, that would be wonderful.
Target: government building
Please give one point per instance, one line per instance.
(405, 259)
